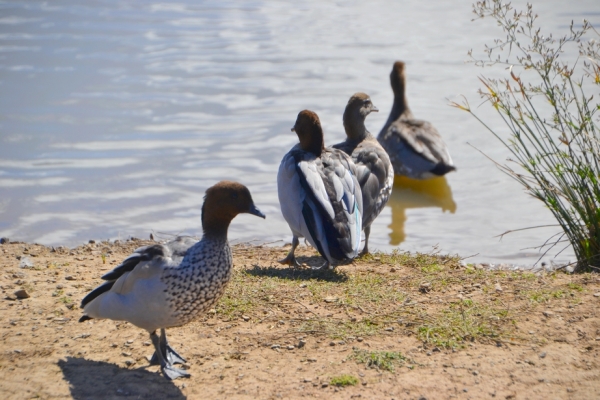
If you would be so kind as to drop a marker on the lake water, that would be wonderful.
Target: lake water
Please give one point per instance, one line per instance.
(116, 116)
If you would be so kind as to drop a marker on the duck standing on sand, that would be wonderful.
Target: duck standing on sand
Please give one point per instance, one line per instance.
(319, 195)
(415, 147)
(167, 285)
(373, 166)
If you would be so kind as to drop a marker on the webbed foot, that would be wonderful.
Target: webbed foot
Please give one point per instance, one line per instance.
(173, 373)
(325, 266)
(290, 260)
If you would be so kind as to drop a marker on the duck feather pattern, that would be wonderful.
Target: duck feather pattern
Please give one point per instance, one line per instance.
(321, 200)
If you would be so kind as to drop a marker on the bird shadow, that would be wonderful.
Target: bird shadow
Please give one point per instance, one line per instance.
(298, 274)
(101, 380)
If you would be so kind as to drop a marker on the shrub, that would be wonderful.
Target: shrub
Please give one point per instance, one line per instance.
(546, 104)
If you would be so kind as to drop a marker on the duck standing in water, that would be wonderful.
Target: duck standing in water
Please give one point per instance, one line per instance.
(167, 285)
(415, 147)
(319, 195)
(373, 166)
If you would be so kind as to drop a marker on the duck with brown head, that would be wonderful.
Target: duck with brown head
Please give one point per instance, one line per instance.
(170, 284)
(373, 167)
(319, 195)
(415, 147)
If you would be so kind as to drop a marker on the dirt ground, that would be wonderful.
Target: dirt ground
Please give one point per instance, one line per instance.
(445, 331)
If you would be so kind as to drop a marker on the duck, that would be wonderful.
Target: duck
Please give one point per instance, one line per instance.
(415, 147)
(319, 195)
(374, 169)
(168, 285)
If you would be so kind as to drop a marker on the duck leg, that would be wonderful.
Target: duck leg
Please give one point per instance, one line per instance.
(290, 259)
(166, 366)
(171, 355)
(365, 249)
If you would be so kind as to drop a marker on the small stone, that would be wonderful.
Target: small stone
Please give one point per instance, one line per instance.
(125, 354)
(146, 343)
(307, 380)
(543, 354)
(59, 287)
(359, 339)
(11, 297)
(311, 359)
(291, 347)
(70, 277)
(498, 289)
(212, 311)
(597, 294)
(425, 287)
(114, 345)
(547, 313)
(301, 344)
(330, 299)
(570, 390)
(465, 390)
(22, 294)
(428, 353)
(275, 346)
(91, 241)
(129, 363)
(389, 329)
(392, 269)
(475, 373)
(332, 343)
(324, 385)
(303, 285)
(25, 263)
(246, 318)
(130, 341)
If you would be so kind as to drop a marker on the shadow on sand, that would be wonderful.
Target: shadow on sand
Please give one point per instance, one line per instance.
(299, 274)
(100, 380)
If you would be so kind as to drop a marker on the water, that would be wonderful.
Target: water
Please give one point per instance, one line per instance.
(114, 118)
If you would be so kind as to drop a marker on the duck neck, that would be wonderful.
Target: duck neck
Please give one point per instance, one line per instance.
(400, 106)
(354, 126)
(313, 143)
(215, 225)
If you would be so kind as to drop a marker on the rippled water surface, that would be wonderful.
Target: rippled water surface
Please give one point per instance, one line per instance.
(116, 116)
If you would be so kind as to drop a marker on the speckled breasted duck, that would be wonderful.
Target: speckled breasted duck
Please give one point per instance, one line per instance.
(319, 195)
(415, 147)
(167, 285)
(373, 166)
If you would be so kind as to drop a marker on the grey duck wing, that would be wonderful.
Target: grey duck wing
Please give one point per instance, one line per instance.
(175, 249)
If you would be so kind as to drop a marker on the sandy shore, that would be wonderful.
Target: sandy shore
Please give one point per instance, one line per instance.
(386, 326)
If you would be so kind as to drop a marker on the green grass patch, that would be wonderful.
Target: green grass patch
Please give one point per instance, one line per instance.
(343, 380)
(380, 360)
(464, 321)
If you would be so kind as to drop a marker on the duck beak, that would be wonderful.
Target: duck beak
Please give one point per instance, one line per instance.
(374, 109)
(293, 128)
(255, 211)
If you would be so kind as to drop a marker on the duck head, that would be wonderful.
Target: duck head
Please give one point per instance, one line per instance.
(309, 131)
(357, 109)
(222, 202)
(397, 78)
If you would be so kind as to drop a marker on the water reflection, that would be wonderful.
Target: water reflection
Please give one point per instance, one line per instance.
(411, 193)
